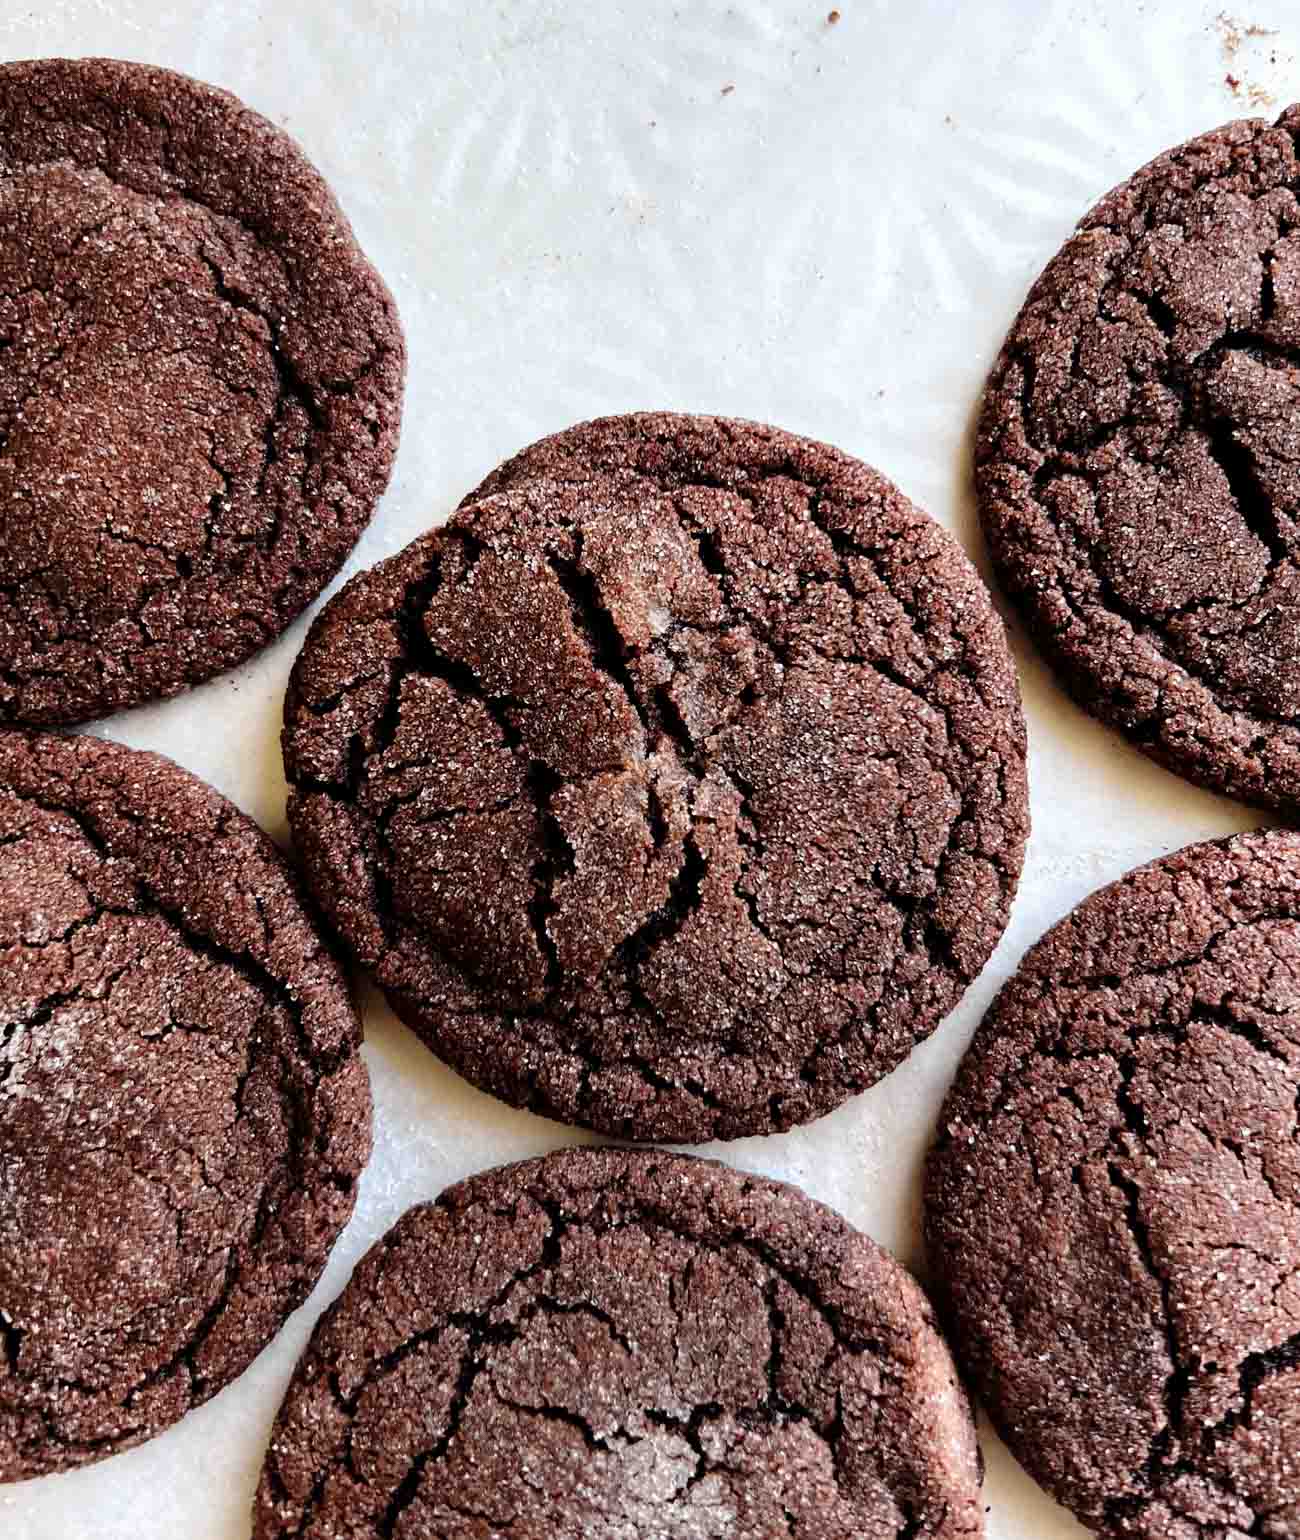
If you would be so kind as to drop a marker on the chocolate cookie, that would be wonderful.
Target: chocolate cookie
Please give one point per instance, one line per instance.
(677, 791)
(1138, 464)
(1113, 1204)
(183, 1107)
(617, 1342)
(200, 385)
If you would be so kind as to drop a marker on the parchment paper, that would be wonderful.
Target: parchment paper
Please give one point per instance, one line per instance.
(593, 207)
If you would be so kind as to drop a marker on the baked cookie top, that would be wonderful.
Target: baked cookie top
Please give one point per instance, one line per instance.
(183, 1107)
(612, 1342)
(200, 385)
(677, 789)
(1113, 1203)
(1138, 460)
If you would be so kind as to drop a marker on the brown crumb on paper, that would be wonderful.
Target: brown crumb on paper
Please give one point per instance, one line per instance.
(1233, 32)
(1236, 38)
(833, 19)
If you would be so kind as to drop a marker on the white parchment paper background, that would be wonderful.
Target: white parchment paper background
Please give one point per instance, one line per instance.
(578, 216)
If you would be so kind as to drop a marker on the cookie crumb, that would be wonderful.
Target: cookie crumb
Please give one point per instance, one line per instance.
(1234, 36)
(833, 19)
(1229, 32)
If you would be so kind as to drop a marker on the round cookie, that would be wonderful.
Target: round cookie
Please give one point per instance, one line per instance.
(618, 1342)
(1137, 461)
(183, 1107)
(1113, 1203)
(200, 385)
(677, 791)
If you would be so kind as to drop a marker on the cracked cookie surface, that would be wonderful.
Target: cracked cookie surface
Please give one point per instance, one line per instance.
(183, 1107)
(200, 385)
(1138, 460)
(622, 1343)
(1113, 1202)
(676, 789)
